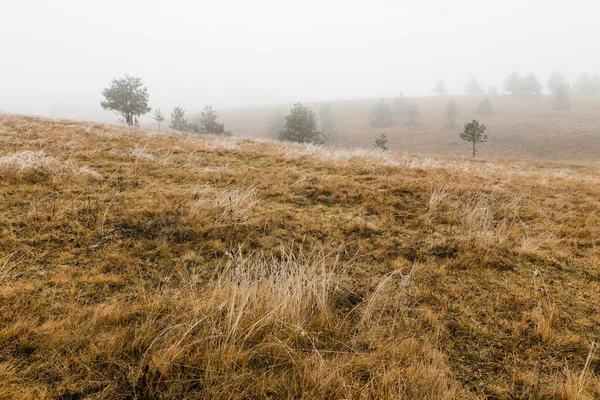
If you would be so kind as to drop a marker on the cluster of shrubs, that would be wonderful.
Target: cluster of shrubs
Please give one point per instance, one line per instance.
(207, 122)
(382, 115)
(529, 86)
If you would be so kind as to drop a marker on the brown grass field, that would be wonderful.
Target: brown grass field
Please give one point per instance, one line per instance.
(521, 128)
(137, 264)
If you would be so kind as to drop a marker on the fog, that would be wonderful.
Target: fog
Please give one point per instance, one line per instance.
(57, 56)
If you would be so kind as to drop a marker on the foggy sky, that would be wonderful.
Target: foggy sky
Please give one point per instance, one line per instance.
(57, 56)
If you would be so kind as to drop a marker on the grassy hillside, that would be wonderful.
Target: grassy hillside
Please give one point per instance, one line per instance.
(138, 264)
(520, 128)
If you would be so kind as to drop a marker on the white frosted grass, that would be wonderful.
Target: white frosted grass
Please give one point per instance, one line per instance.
(339, 155)
(218, 168)
(219, 143)
(229, 203)
(139, 153)
(374, 157)
(38, 163)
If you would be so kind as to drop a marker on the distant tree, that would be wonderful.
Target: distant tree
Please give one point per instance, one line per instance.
(485, 107)
(381, 142)
(554, 81)
(412, 112)
(528, 86)
(531, 85)
(451, 112)
(582, 85)
(178, 120)
(561, 96)
(474, 132)
(158, 117)
(587, 85)
(276, 124)
(301, 126)
(440, 88)
(400, 104)
(128, 97)
(209, 125)
(492, 91)
(595, 85)
(381, 115)
(514, 84)
(473, 88)
(327, 119)
(194, 128)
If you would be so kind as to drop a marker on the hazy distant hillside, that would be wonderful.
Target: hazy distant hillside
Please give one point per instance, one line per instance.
(520, 127)
(139, 264)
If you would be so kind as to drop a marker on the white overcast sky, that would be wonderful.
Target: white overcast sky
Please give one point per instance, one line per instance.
(58, 55)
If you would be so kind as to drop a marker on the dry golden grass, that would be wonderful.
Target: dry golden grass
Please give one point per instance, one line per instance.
(525, 128)
(138, 264)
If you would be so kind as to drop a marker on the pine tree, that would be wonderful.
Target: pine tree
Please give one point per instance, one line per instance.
(400, 104)
(301, 126)
(381, 142)
(178, 120)
(473, 88)
(381, 115)
(276, 124)
(556, 79)
(440, 88)
(492, 91)
(209, 125)
(451, 112)
(158, 117)
(485, 107)
(412, 112)
(531, 85)
(587, 85)
(561, 96)
(327, 119)
(513, 84)
(474, 132)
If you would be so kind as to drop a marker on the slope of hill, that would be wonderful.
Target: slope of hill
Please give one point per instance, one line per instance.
(520, 127)
(140, 264)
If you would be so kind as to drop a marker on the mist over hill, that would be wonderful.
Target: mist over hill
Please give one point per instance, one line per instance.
(299, 200)
(522, 128)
